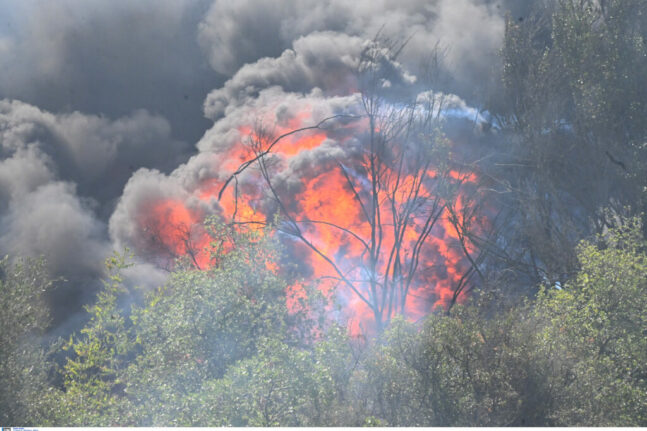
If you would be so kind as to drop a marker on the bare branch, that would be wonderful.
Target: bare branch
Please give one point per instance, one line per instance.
(265, 152)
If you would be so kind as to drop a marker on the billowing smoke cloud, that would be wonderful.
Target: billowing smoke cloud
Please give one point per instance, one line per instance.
(468, 31)
(325, 60)
(98, 100)
(60, 175)
(54, 222)
(96, 153)
(108, 57)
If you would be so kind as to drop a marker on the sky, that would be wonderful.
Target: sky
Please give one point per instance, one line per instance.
(107, 103)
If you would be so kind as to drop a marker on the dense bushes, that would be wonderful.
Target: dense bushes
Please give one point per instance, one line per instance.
(219, 348)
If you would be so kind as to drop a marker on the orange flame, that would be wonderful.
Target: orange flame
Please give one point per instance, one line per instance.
(327, 211)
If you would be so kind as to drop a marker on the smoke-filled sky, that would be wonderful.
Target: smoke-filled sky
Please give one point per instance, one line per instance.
(108, 105)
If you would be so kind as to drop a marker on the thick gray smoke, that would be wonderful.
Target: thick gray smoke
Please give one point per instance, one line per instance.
(469, 31)
(58, 172)
(60, 176)
(108, 57)
(103, 102)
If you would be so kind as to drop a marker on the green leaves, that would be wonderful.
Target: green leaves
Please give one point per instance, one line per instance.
(219, 348)
(574, 356)
(575, 100)
(24, 317)
(598, 325)
(91, 374)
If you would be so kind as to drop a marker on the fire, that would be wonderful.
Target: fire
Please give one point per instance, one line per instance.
(173, 230)
(385, 245)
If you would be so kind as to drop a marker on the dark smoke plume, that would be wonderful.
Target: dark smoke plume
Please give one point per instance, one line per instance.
(103, 103)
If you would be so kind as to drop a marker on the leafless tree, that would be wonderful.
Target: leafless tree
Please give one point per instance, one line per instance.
(410, 187)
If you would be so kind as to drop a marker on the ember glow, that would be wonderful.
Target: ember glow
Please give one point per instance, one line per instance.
(404, 255)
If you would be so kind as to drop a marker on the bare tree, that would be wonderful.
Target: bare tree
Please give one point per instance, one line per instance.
(408, 187)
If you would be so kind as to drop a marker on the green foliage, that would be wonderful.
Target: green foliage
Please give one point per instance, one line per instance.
(213, 335)
(24, 317)
(202, 322)
(219, 348)
(92, 372)
(598, 326)
(460, 370)
(574, 101)
(281, 385)
(576, 356)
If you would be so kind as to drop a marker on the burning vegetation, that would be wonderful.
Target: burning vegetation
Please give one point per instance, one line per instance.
(374, 229)
(369, 202)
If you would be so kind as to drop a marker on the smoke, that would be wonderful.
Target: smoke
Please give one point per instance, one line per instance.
(108, 57)
(54, 222)
(91, 151)
(101, 103)
(469, 32)
(60, 176)
(324, 60)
